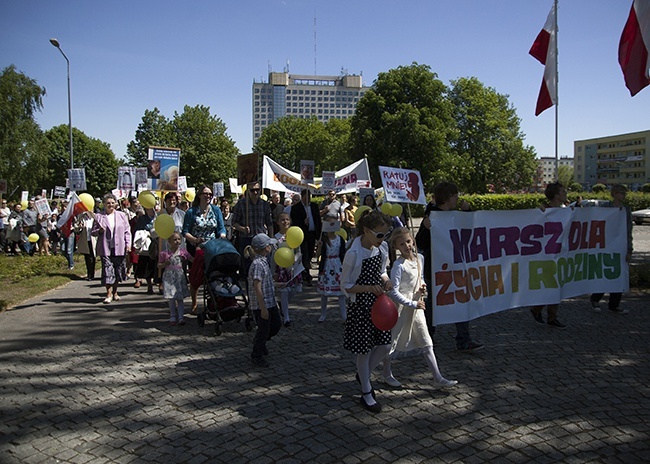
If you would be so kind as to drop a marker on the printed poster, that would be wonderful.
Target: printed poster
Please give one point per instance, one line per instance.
(163, 168)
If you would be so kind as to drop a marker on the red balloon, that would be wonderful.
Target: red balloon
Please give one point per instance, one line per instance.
(383, 313)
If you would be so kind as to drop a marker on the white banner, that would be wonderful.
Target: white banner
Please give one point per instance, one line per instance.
(275, 177)
(402, 185)
(487, 261)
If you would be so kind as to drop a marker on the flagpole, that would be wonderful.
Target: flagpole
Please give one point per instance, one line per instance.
(557, 101)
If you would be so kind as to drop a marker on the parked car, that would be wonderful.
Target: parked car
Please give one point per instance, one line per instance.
(588, 203)
(641, 215)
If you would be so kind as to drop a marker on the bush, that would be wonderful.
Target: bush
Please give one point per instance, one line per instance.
(599, 188)
(575, 187)
(645, 188)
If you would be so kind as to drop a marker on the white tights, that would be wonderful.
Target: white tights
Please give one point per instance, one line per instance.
(323, 306)
(365, 365)
(429, 357)
(176, 310)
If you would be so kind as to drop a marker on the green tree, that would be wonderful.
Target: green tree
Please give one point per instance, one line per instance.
(290, 140)
(208, 154)
(405, 118)
(23, 149)
(95, 156)
(489, 143)
(565, 175)
(155, 130)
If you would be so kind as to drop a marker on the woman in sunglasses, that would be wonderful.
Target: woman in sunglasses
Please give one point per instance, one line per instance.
(202, 222)
(363, 279)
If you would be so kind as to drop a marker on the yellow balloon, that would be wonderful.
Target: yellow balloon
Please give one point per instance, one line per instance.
(24, 204)
(164, 226)
(190, 194)
(359, 212)
(397, 210)
(342, 233)
(88, 200)
(33, 238)
(295, 236)
(264, 197)
(387, 208)
(147, 199)
(284, 257)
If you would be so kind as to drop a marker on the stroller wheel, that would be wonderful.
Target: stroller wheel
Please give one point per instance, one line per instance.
(217, 329)
(200, 318)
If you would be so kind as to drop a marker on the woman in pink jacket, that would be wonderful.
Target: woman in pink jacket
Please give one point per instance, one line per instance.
(113, 242)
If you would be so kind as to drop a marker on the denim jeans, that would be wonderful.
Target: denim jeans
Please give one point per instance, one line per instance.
(266, 329)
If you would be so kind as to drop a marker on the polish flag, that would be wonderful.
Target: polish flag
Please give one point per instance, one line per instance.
(634, 46)
(544, 49)
(74, 208)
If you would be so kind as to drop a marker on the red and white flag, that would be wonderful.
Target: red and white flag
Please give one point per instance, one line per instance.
(544, 49)
(74, 208)
(633, 47)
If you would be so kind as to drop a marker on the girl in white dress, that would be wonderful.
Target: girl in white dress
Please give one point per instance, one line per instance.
(410, 333)
(332, 252)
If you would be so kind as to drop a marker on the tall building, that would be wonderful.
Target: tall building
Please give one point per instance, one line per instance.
(617, 159)
(326, 97)
(546, 170)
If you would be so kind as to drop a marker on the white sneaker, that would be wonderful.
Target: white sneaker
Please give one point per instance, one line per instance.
(392, 382)
(446, 383)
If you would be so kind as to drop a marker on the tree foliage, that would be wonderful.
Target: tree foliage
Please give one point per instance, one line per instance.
(405, 120)
(489, 143)
(23, 149)
(565, 175)
(290, 140)
(95, 156)
(208, 154)
(155, 130)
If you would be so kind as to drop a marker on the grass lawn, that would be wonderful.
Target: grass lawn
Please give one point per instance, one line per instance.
(22, 277)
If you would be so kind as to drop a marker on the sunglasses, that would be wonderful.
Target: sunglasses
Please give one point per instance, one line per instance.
(207, 194)
(255, 190)
(381, 235)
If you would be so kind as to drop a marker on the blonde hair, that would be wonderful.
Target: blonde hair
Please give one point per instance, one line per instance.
(250, 252)
(394, 236)
(169, 239)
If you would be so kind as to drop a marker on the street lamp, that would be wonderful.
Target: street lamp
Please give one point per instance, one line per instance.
(56, 44)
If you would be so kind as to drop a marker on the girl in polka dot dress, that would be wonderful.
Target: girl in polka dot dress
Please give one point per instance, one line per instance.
(363, 279)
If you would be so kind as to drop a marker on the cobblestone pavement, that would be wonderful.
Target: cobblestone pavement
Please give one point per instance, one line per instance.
(80, 384)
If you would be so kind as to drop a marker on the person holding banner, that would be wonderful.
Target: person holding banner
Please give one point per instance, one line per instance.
(202, 222)
(306, 215)
(363, 279)
(113, 233)
(618, 193)
(446, 199)
(556, 195)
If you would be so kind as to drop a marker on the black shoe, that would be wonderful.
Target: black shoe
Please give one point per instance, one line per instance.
(259, 362)
(619, 311)
(538, 317)
(469, 346)
(372, 392)
(375, 408)
(287, 324)
(556, 324)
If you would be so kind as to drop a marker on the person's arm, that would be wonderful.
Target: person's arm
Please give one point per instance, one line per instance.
(221, 228)
(396, 279)
(257, 286)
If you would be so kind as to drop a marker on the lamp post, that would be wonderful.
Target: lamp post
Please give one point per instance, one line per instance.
(56, 44)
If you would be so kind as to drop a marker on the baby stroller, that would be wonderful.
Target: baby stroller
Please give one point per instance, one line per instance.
(224, 295)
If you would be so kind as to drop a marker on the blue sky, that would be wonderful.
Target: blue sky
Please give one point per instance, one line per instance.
(130, 56)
